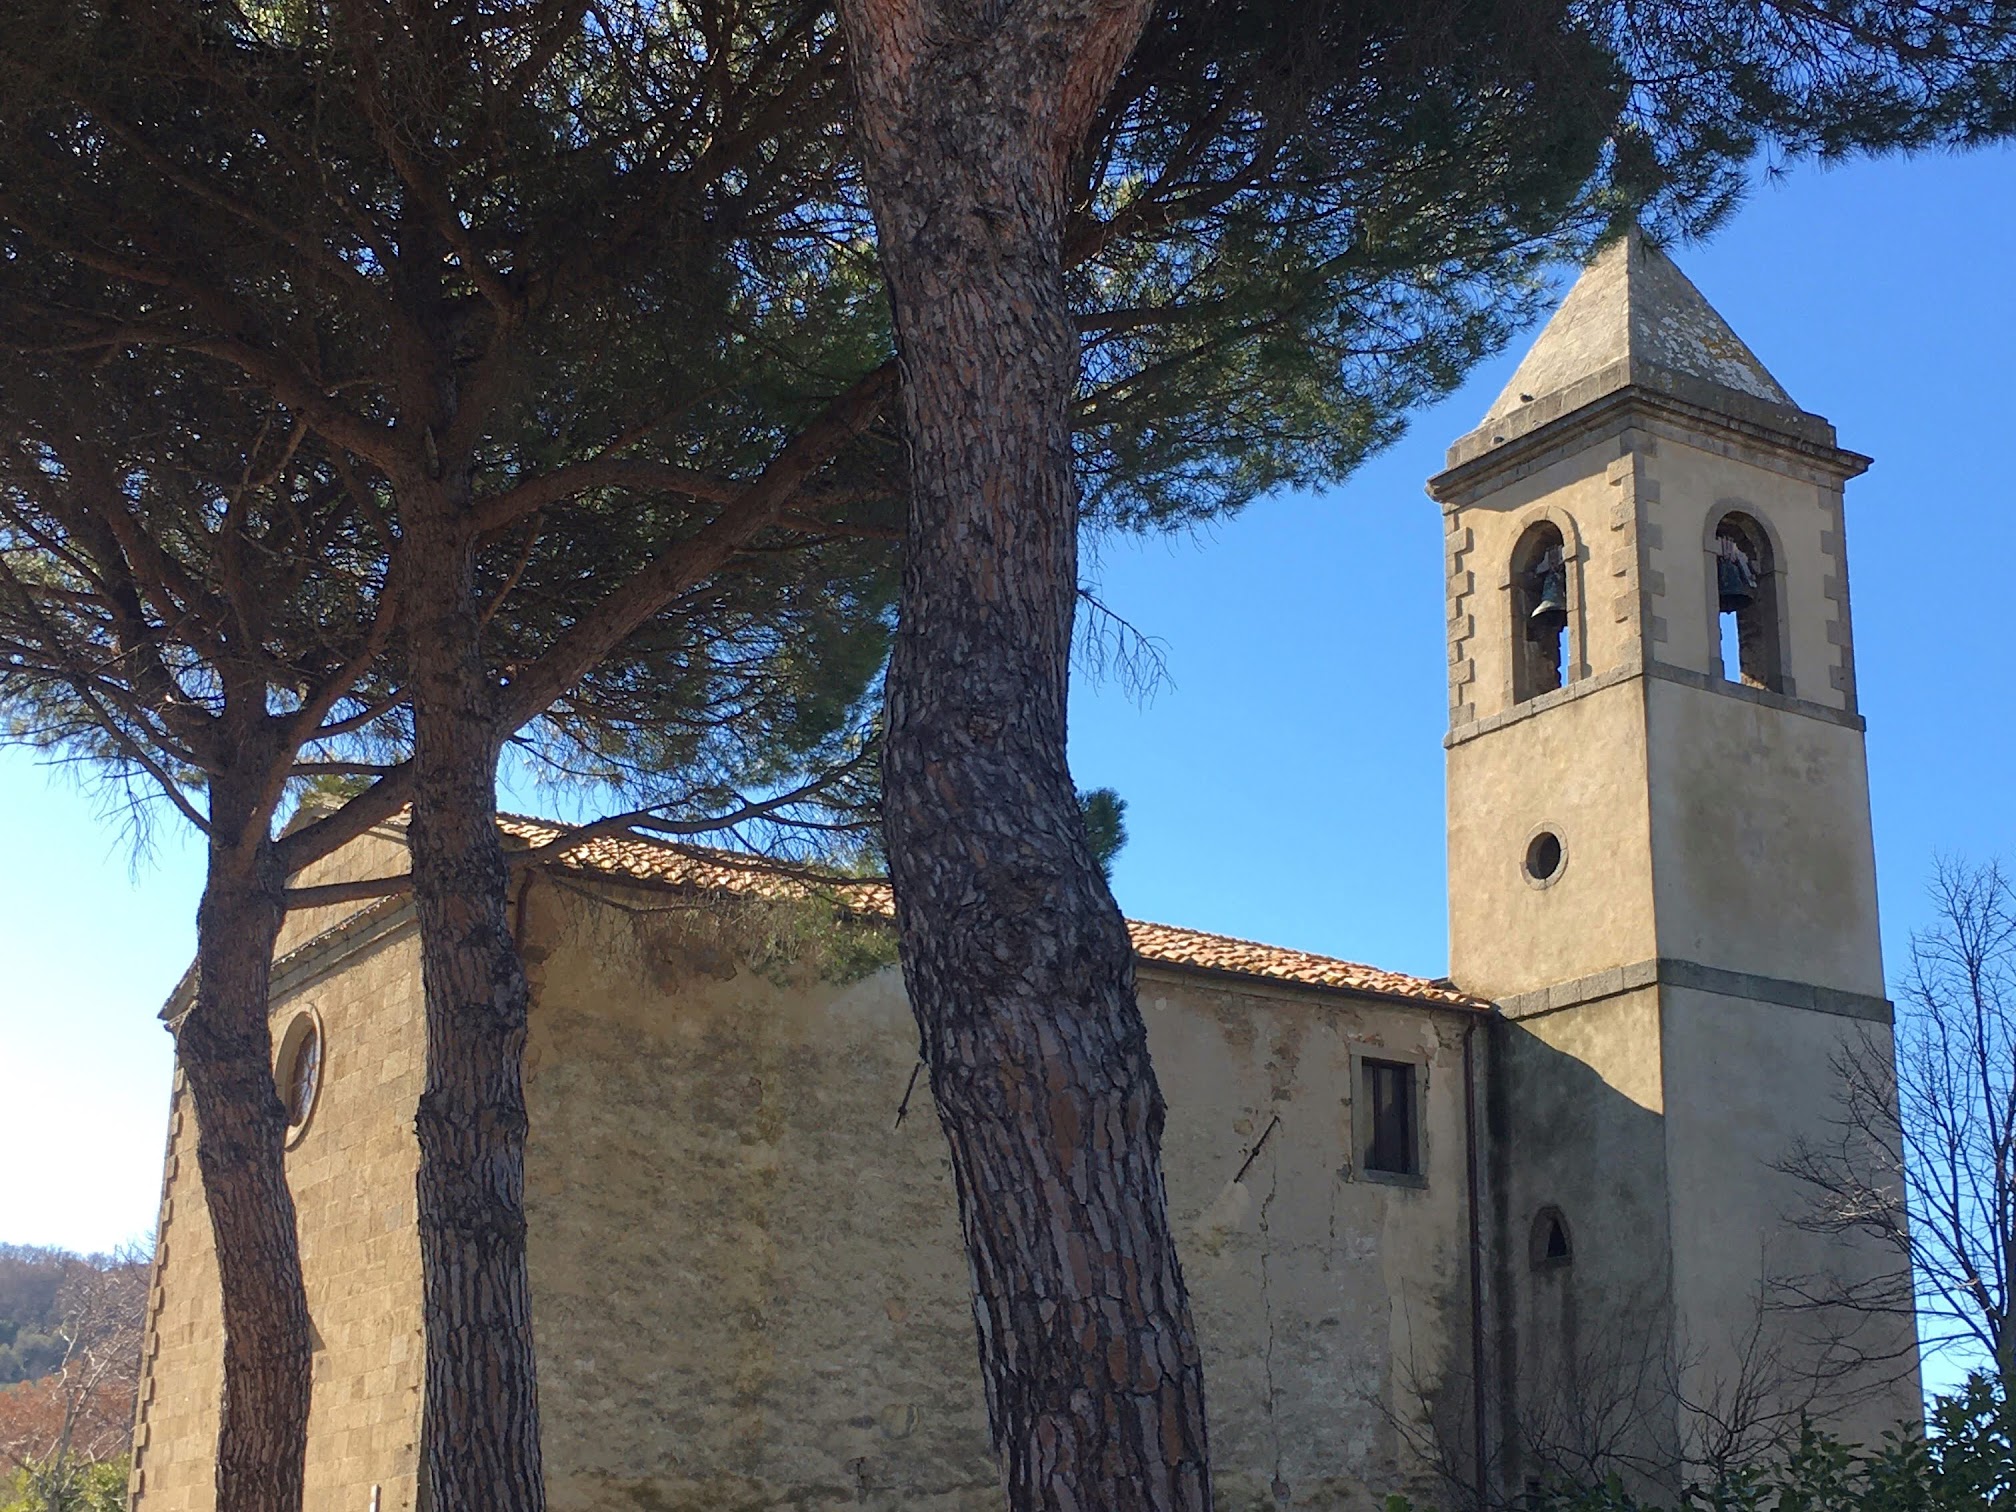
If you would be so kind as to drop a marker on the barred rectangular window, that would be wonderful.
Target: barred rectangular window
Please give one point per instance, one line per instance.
(1391, 1144)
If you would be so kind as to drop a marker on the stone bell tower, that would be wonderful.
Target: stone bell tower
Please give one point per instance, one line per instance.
(1660, 864)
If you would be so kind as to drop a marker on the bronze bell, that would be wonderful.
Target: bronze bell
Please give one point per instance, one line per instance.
(1550, 596)
(1735, 577)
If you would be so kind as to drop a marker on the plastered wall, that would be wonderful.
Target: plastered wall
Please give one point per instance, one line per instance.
(749, 1287)
(1568, 487)
(1577, 1126)
(1656, 1122)
(1764, 851)
(1745, 1081)
(748, 1282)
(1578, 771)
(1675, 996)
(1697, 477)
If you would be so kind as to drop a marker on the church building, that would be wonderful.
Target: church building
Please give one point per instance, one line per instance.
(1447, 1238)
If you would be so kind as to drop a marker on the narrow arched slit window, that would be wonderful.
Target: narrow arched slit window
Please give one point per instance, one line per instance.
(1746, 604)
(1539, 612)
(1550, 1243)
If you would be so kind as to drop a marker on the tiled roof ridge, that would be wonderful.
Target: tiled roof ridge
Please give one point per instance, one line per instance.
(1180, 945)
(549, 830)
(629, 854)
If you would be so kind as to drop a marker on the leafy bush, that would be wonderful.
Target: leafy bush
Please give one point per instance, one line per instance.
(1965, 1463)
(86, 1488)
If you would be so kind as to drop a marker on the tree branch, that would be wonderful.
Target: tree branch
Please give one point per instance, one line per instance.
(645, 593)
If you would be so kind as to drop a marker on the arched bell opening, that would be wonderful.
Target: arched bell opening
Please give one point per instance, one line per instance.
(1746, 602)
(1539, 581)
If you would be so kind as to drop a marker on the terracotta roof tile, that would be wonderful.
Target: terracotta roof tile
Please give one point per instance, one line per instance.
(665, 863)
(1167, 944)
(696, 866)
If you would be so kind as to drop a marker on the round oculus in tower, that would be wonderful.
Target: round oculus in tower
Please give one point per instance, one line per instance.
(1545, 857)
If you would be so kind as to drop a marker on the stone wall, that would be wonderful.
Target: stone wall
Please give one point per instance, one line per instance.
(1765, 855)
(182, 1356)
(749, 1289)
(748, 1281)
(352, 1171)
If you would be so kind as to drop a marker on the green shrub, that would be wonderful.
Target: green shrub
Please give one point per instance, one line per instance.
(80, 1488)
(1964, 1463)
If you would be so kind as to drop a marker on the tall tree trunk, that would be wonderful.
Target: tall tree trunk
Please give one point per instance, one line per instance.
(225, 1049)
(480, 1413)
(1016, 958)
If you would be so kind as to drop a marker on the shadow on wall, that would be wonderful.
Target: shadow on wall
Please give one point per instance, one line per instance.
(1593, 1371)
(749, 1285)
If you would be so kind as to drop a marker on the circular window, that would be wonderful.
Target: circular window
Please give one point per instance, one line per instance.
(1544, 857)
(297, 1071)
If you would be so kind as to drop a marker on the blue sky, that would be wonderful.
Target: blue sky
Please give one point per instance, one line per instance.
(1288, 786)
(1286, 783)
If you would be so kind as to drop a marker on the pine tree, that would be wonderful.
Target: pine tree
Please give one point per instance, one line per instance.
(1300, 204)
(374, 379)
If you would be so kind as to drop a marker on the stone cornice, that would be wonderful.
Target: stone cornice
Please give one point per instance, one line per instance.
(1566, 422)
(1585, 687)
(317, 956)
(1670, 971)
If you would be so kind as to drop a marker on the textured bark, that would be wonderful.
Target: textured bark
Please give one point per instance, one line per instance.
(1016, 958)
(480, 1413)
(224, 1048)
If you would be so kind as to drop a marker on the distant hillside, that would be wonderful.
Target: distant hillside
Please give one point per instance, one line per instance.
(66, 1403)
(31, 1313)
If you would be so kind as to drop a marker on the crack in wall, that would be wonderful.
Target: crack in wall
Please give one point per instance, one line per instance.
(1280, 1486)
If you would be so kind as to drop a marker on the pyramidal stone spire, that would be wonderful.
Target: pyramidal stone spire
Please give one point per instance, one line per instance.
(1634, 321)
